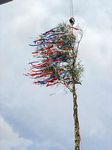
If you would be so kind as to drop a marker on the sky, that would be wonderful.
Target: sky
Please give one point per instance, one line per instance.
(34, 117)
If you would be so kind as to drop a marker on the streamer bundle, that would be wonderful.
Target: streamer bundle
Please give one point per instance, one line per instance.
(56, 50)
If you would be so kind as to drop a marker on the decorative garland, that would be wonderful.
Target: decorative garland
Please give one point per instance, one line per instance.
(56, 50)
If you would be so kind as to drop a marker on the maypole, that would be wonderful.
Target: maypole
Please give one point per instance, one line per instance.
(56, 62)
(74, 93)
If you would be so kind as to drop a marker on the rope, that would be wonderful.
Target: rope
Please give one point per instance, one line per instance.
(71, 20)
(71, 8)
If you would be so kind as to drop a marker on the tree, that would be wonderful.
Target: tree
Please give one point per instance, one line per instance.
(56, 63)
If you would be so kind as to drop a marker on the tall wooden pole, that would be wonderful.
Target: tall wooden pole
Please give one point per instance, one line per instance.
(76, 120)
(75, 112)
(75, 105)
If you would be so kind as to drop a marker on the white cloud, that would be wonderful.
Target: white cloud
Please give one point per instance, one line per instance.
(9, 139)
(96, 47)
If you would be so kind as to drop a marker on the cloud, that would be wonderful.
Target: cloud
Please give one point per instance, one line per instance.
(28, 112)
(9, 139)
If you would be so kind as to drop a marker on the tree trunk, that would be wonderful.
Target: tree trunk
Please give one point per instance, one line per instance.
(76, 120)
